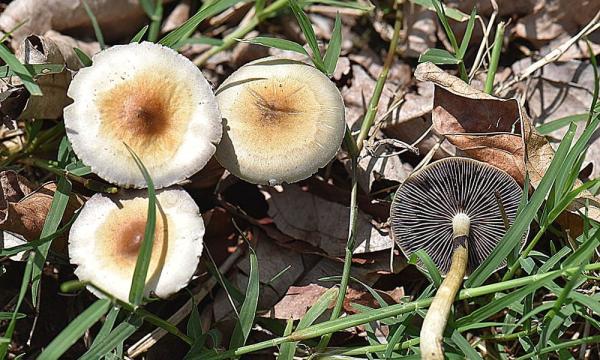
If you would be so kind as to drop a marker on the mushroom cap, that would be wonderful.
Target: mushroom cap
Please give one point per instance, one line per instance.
(151, 98)
(105, 238)
(426, 203)
(282, 121)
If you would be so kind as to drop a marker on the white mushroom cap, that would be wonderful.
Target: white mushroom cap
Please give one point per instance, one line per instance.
(104, 241)
(154, 100)
(282, 121)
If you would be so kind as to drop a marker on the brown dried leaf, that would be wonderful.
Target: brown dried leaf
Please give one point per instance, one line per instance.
(117, 18)
(52, 48)
(299, 299)
(493, 130)
(321, 223)
(26, 216)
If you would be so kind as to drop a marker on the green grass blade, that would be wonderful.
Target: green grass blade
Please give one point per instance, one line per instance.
(277, 43)
(138, 282)
(8, 333)
(439, 57)
(188, 27)
(468, 33)
(140, 34)
(464, 346)
(75, 330)
(555, 259)
(584, 251)
(441, 13)
(317, 309)
(248, 309)
(20, 70)
(452, 13)
(194, 325)
(432, 271)
(594, 63)
(33, 69)
(287, 350)
(547, 128)
(107, 326)
(9, 315)
(513, 236)
(341, 4)
(309, 33)
(503, 302)
(53, 219)
(156, 18)
(148, 7)
(83, 57)
(334, 48)
(95, 25)
(121, 332)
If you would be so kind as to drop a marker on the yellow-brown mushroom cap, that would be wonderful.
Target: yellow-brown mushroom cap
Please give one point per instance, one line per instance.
(154, 100)
(105, 240)
(282, 121)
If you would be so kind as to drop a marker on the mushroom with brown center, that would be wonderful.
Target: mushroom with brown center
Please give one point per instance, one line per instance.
(105, 239)
(453, 209)
(154, 100)
(282, 121)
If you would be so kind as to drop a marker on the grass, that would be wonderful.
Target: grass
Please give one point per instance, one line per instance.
(534, 304)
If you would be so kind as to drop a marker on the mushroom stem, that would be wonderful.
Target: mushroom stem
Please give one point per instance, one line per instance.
(432, 331)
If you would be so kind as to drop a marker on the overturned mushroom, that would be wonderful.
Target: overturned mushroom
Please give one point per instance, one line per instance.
(154, 100)
(282, 121)
(453, 210)
(105, 239)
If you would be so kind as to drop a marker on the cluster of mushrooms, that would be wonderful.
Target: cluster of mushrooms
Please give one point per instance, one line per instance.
(272, 121)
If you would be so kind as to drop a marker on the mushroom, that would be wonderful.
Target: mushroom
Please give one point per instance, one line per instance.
(105, 238)
(453, 209)
(282, 121)
(151, 98)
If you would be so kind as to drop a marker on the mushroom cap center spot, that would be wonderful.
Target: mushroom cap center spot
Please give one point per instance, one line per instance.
(130, 238)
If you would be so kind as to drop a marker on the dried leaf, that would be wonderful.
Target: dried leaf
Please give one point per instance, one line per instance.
(299, 299)
(321, 223)
(117, 18)
(493, 130)
(52, 48)
(26, 216)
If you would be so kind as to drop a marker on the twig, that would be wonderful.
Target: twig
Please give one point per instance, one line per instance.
(484, 44)
(364, 132)
(146, 342)
(554, 55)
(88, 183)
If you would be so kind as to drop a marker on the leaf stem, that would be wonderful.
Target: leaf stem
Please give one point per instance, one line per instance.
(496, 50)
(374, 103)
(523, 254)
(354, 148)
(91, 184)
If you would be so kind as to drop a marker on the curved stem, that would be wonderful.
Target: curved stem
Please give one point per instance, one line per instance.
(432, 331)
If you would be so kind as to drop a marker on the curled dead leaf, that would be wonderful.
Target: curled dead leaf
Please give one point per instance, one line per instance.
(24, 214)
(51, 48)
(493, 130)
